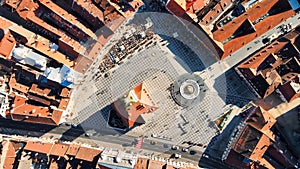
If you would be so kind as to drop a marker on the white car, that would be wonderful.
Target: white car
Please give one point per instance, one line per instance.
(174, 147)
(185, 150)
(177, 155)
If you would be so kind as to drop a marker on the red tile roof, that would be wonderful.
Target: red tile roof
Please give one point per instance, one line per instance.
(87, 154)
(89, 12)
(67, 17)
(291, 89)
(39, 147)
(66, 43)
(21, 111)
(261, 69)
(8, 42)
(45, 92)
(130, 109)
(222, 36)
(156, 164)
(59, 149)
(260, 28)
(142, 163)
(73, 149)
(17, 86)
(65, 92)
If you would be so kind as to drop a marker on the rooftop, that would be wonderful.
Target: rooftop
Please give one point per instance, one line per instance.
(22, 111)
(67, 17)
(59, 149)
(39, 147)
(133, 104)
(273, 66)
(88, 154)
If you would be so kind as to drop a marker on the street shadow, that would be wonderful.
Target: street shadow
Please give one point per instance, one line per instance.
(232, 89)
(97, 124)
(219, 144)
(183, 54)
(288, 128)
(24, 128)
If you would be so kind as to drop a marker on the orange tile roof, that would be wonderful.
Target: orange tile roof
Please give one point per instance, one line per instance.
(35, 89)
(39, 147)
(142, 163)
(12, 3)
(254, 61)
(215, 12)
(176, 7)
(26, 7)
(260, 28)
(156, 164)
(113, 25)
(89, 10)
(130, 114)
(42, 45)
(66, 16)
(34, 19)
(261, 147)
(106, 32)
(10, 149)
(197, 5)
(7, 44)
(39, 99)
(263, 121)
(9, 163)
(268, 55)
(65, 92)
(8, 155)
(87, 154)
(71, 44)
(73, 149)
(234, 159)
(53, 163)
(288, 90)
(255, 140)
(21, 111)
(36, 42)
(212, 15)
(63, 104)
(17, 86)
(94, 51)
(293, 35)
(59, 149)
(82, 64)
(135, 4)
(252, 14)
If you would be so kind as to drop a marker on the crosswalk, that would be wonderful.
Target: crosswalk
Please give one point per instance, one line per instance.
(139, 143)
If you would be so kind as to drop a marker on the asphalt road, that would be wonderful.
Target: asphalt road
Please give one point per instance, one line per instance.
(69, 134)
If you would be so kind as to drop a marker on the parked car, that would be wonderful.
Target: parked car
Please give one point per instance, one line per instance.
(87, 134)
(177, 155)
(193, 152)
(174, 147)
(185, 150)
